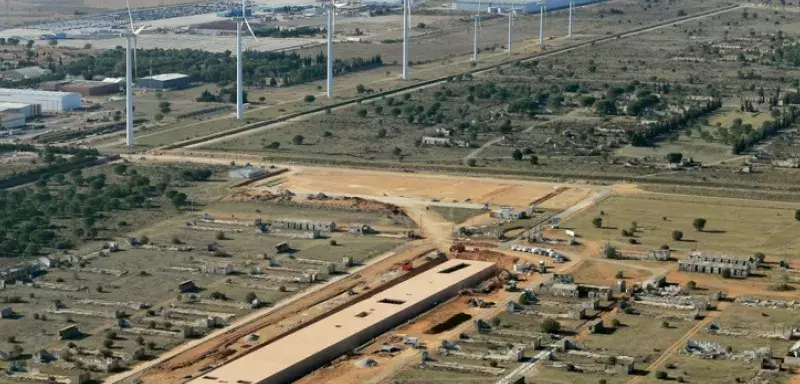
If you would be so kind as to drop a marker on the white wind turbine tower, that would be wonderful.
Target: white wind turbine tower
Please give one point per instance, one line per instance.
(406, 21)
(571, 19)
(477, 27)
(130, 38)
(511, 13)
(239, 60)
(542, 10)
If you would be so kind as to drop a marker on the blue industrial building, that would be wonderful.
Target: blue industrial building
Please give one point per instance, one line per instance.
(165, 81)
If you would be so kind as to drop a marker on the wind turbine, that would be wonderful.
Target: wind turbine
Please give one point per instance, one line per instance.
(130, 62)
(571, 19)
(331, 10)
(477, 27)
(541, 23)
(511, 13)
(239, 60)
(406, 21)
(331, 20)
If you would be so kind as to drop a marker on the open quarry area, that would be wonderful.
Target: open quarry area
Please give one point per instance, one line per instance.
(557, 192)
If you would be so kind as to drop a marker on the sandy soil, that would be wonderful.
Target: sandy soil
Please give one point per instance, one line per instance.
(427, 186)
(591, 272)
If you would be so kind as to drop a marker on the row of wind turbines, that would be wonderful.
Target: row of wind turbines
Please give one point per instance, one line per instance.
(241, 22)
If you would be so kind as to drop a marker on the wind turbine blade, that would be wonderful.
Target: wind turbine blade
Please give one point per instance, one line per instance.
(130, 16)
(250, 29)
(138, 31)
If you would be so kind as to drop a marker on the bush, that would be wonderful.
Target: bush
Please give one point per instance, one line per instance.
(472, 162)
(597, 222)
(665, 324)
(677, 235)
(108, 343)
(220, 235)
(661, 375)
(690, 285)
(726, 273)
(625, 233)
(298, 140)
(309, 98)
(550, 326)
(332, 242)
(615, 323)
(699, 224)
(760, 256)
(620, 275)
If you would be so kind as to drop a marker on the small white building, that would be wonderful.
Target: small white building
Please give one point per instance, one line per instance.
(50, 101)
(246, 173)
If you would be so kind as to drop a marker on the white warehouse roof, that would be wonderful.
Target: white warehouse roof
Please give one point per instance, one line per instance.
(34, 92)
(50, 101)
(8, 105)
(167, 77)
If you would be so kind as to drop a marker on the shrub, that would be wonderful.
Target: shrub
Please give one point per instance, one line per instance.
(597, 222)
(309, 98)
(108, 343)
(661, 375)
(620, 275)
(677, 235)
(760, 256)
(472, 162)
(332, 242)
(550, 326)
(298, 140)
(665, 324)
(699, 224)
(615, 323)
(690, 285)
(220, 235)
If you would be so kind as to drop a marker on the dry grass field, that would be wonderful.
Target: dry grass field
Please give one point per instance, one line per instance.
(768, 225)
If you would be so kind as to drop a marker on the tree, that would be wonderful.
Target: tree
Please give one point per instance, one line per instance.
(298, 140)
(158, 117)
(550, 326)
(309, 98)
(661, 375)
(597, 222)
(117, 116)
(726, 273)
(620, 275)
(760, 256)
(362, 112)
(250, 297)
(164, 107)
(797, 215)
(674, 158)
(691, 285)
(274, 145)
(615, 323)
(87, 46)
(382, 133)
(360, 88)
(516, 155)
(108, 343)
(139, 340)
(699, 224)
(220, 235)
(677, 235)
(534, 160)
(665, 324)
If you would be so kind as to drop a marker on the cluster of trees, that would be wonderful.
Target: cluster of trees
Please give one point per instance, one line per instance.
(32, 218)
(279, 33)
(53, 162)
(260, 68)
(644, 137)
(749, 137)
(225, 95)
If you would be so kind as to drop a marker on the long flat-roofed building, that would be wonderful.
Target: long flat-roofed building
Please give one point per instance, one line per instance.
(299, 353)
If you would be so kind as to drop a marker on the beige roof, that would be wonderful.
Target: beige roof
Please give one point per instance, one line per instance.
(272, 359)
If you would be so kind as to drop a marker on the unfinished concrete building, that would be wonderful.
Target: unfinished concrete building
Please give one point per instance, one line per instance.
(304, 225)
(718, 264)
(309, 348)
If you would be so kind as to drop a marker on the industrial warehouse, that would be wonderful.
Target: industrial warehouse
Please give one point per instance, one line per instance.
(49, 101)
(523, 6)
(305, 350)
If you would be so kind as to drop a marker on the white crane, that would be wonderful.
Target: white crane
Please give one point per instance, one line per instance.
(239, 60)
(130, 62)
(571, 19)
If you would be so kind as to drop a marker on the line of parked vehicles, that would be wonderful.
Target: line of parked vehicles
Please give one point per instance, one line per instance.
(551, 253)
